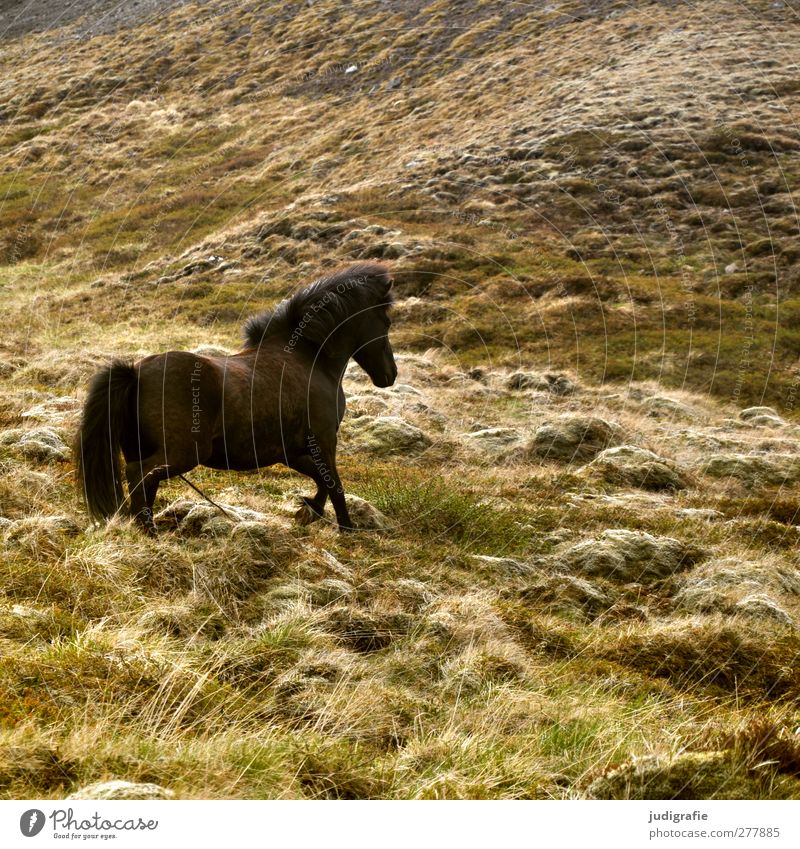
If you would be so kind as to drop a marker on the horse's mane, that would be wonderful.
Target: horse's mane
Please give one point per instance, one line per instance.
(315, 311)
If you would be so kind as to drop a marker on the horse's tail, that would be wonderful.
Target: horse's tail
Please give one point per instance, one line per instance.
(97, 443)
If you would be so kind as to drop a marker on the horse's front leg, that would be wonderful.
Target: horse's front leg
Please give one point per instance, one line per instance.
(312, 508)
(323, 454)
(339, 504)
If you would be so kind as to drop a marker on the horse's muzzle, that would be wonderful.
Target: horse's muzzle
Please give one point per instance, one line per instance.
(387, 378)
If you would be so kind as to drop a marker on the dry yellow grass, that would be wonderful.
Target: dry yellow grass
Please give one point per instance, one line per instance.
(579, 249)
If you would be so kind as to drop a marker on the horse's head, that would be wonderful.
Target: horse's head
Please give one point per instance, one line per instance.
(365, 292)
(374, 353)
(342, 315)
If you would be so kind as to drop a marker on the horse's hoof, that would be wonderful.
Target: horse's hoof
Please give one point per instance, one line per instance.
(347, 529)
(306, 514)
(144, 521)
(148, 528)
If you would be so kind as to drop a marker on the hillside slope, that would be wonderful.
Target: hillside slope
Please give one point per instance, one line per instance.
(583, 579)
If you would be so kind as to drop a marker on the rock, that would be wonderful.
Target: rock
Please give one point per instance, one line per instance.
(36, 531)
(305, 230)
(243, 514)
(470, 388)
(691, 775)
(639, 501)
(383, 250)
(56, 409)
(334, 565)
(403, 389)
(280, 248)
(420, 408)
(526, 380)
(763, 607)
(493, 441)
(762, 417)
(755, 470)
(175, 512)
(218, 526)
(196, 517)
(574, 437)
(365, 516)
(110, 790)
(560, 592)
(629, 465)
(383, 435)
(558, 384)
(278, 227)
(43, 444)
(423, 366)
(767, 421)
(733, 586)
(709, 594)
(195, 266)
(629, 556)
(752, 412)
(658, 406)
(731, 268)
(501, 565)
(698, 513)
(366, 405)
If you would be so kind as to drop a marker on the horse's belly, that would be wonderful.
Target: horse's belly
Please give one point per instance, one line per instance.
(240, 455)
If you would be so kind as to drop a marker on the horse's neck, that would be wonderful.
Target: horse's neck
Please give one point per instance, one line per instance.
(336, 366)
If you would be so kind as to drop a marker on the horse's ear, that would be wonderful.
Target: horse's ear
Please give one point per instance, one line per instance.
(386, 287)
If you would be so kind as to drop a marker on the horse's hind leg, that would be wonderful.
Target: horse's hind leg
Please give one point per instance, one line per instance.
(144, 478)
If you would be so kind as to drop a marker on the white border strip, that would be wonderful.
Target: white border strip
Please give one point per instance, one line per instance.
(405, 825)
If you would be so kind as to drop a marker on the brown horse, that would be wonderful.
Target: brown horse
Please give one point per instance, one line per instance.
(280, 400)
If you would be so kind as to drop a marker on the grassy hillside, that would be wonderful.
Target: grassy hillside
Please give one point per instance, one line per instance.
(582, 578)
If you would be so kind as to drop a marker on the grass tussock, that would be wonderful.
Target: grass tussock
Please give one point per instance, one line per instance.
(585, 579)
(756, 661)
